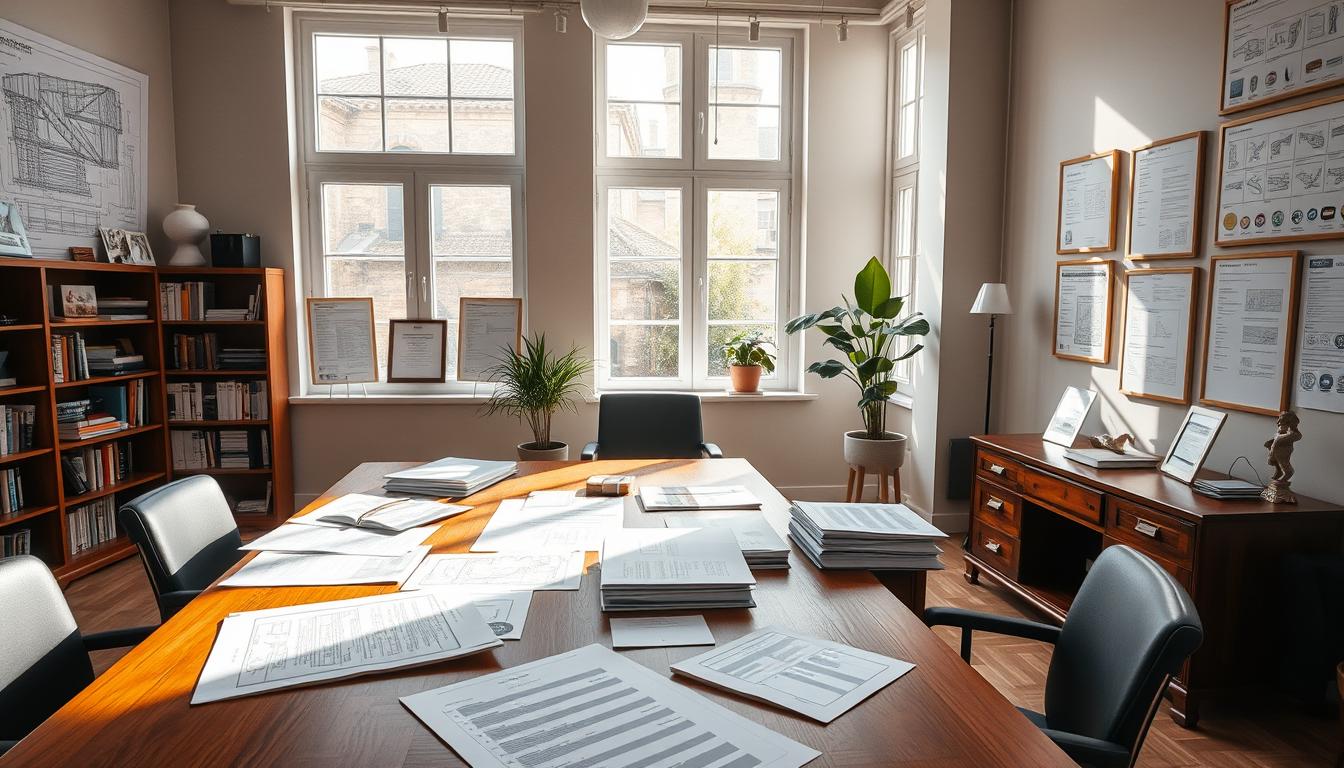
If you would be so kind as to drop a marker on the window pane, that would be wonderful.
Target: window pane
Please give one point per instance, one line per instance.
(382, 278)
(643, 130)
(643, 72)
(483, 126)
(720, 334)
(743, 133)
(743, 223)
(909, 117)
(482, 69)
(909, 72)
(744, 76)
(346, 65)
(363, 219)
(645, 289)
(644, 351)
(644, 281)
(346, 124)
(417, 125)
(415, 66)
(742, 290)
(644, 223)
(643, 100)
(905, 218)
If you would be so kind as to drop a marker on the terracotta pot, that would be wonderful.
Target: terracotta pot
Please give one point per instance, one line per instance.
(551, 452)
(745, 378)
(886, 455)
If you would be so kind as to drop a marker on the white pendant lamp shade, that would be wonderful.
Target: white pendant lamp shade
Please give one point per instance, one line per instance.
(614, 19)
(992, 300)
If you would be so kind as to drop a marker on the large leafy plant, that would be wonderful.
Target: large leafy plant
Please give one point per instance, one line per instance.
(866, 332)
(749, 348)
(533, 383)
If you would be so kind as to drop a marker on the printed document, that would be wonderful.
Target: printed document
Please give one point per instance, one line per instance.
(660, 632)
(520, 572)
(381, 513)
(551, 521)
(817, 678)
(339, 541)
(593, 707)
(258, 651)
(286, 569)
(505, 612)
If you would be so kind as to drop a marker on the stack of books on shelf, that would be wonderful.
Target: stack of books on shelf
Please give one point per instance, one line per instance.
(122, 308)
(195, 351)
(186, 301)
(94, 424)
(242, 358)
(125, 401)
(68, 359)
(449, 477)
(223, 400)
(94, 468)
(1104, 458)
(1230, 488)
(92, 524)
(251, 312)
(674, 568)
(220, 449)
(16, 428)
(865, 536)
(11, 491)
(16, 543)
(113, 359)
(260, 506)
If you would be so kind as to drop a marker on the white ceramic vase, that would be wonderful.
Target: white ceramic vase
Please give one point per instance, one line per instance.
(885, 455)
(186, 227)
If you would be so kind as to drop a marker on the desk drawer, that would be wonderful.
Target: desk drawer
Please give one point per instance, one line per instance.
(1000, 470)
(1151, 532)
(1078, 502)
(994, 547)
(997, 506)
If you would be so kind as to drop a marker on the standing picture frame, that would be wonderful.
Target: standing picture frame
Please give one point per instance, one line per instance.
(1250, 327)
(1067, 421)
(1157, 338)
(342, 345)
(1084, 303)
(1166, 193)
(1089, 191)
(417, 351)
(1192, 443)
(485, 326)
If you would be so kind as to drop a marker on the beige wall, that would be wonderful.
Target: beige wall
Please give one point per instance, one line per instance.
(133, 33)
(1153, 73)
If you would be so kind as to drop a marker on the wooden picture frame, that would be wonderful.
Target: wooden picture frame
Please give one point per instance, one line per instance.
(1224, 92)
(392, 343)
(1113, 158)
(1196, 203)
(1289, 336)
(1186, 473)
(1190, 319)
(313, 365)
(1109, 266)
(465, 304)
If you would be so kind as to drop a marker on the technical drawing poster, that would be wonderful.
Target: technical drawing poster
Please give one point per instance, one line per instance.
(1280, 48)
(1281, 175)
(73, 129)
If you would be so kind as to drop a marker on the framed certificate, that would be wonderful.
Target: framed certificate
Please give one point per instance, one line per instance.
(1157, 342)
(1069, 416)
(1083, 295)
(1192, 443)
(342, 348)
(486, 327)
(417, 351)
(1166, 182)
(1089, 188)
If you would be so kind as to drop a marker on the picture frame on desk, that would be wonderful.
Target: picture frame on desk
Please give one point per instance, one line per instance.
(1192, 443)
(417, 351)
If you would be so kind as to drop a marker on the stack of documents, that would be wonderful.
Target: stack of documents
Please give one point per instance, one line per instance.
(449, 477)
(761, 546)
(666, 569)
(873, 536)
(1104, 458)
(685, 498)
(1230, 488)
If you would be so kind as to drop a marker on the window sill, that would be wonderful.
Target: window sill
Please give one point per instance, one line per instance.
(423, 399)
(720, 396)
(902, 400)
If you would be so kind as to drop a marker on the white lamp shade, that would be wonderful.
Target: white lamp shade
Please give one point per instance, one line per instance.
(614, 19)
(992, 300)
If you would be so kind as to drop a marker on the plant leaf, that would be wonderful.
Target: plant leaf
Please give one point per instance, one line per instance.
(910, 352)
(890, 308)
(872, 286)
(827, 370)
(915, 325)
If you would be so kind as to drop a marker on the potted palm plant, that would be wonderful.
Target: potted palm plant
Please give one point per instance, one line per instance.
(747, 356)
(533, 383)
(866, 332)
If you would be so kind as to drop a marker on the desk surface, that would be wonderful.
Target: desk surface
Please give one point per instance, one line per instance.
(942, 713)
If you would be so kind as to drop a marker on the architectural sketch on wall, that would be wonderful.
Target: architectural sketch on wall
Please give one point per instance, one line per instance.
(73, 129)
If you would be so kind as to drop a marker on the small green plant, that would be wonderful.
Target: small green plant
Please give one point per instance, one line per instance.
(866, 332)
(749, 348)
(533, 383)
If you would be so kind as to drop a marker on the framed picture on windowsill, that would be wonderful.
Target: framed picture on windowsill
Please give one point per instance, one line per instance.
(417, 351)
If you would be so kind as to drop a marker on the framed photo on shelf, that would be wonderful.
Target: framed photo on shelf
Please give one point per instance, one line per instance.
(1274, 51)
(1157, 343)
(114, 243)
(13, 235)
(342, 346)
(1084, 291)
(485, 328)
(417, 351)
(1166, 185)
(137, 249)
(1089, 190)
(1192, 443)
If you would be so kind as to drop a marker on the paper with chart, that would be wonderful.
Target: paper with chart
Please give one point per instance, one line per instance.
(1250, 320)
(285, 569)
(75, 168)
(1083, 310)
(1164, 209)
(593, 707)
(1320, 340)
(259, 651)
(1276, 49)
(1155, 343)
(505, 612)
(503, 571)
(1087, 189)
(551, 521)
(292, 537)
(817, 678)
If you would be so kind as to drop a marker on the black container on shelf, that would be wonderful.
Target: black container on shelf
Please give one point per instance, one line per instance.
(235, 250)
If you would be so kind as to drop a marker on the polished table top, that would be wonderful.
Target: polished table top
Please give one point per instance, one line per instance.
(940, 714)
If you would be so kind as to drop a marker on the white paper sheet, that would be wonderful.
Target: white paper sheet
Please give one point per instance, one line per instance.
(486, 326)
(817, 678)
(343, 348)
(284, 569)
(888, 520)
(551, 521)
(752, 531)
(1156, 340)
(395, 513)
(663, 498)
(595, 708)
(259, 651)
(660, 632)
(1083, 310)
(1320, 340)
(1249, 325)
(644, 557)
(1085, 221)
(339, 541)
(1163, 208)
(505, 612)
(506, 571)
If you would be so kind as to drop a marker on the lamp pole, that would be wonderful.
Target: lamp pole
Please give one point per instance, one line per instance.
(989, 379)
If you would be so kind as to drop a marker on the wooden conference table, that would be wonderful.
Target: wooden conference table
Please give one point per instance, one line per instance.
(940, 714)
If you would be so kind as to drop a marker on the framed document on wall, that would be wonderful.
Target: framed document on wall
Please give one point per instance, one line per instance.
(341, 345)
(417, 351)
(1083, 295)
(1158, 337)
(1281, 175)
(1088, 191)
(1166, 182)
(1248, 332)
(1275, 50)
(486, 327)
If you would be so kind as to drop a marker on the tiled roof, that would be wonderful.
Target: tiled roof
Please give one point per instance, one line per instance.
(629, 239)
(483, 244)
(482, 81)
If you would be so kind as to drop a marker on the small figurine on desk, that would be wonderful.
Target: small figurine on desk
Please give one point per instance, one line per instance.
(1116, 444)
(1280, 447)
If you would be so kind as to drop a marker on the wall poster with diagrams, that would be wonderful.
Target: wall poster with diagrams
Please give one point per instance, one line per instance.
(1281, 175)
(73, 131)
(1274, 49)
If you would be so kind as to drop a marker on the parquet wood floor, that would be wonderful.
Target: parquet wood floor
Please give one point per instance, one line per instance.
(1263, 732)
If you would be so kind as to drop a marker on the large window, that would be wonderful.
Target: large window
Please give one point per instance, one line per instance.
(907, 100)
(412, 166)
(695, 168)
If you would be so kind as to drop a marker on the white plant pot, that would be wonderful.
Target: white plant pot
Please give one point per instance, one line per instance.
(186, 228)
(884, 456)
(558, 452)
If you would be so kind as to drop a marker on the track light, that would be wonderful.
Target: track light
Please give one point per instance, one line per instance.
(754, 30)
(443, 20)
(561, 21)
(842, 30)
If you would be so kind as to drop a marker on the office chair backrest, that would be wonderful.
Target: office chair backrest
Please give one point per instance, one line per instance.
(186, 533)
(1127, 632)
(43, 663)
(649, 425)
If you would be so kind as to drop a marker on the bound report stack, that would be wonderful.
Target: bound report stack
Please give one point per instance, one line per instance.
(651, 569)
(867, 536)
(449, 477)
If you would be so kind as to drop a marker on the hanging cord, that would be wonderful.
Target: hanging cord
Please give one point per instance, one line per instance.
(718, 53)
(1248, 464)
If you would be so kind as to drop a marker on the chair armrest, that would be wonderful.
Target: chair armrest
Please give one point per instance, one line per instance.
(1088, 751)
(116, 638)
(988, 622)
(711, 450)
(589, 452)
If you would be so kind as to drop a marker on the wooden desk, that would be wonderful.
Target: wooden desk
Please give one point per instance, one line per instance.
(942, 713)
(1038, 519)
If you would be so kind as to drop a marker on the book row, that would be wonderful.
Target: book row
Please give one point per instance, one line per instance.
(221, 449)
(195, 300)
(202, 352)
(223, 400)
(73, 359)
(109, 408)
(94, 468)
(11, 491)
(16, 428)
(16, 543)
(92, 524)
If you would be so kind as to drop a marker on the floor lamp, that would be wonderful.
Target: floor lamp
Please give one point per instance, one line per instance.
(992, 300)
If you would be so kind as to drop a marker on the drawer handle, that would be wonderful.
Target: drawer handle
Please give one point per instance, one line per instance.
(993, 546)
(994, 504)
(996, 469)
(1147, 529)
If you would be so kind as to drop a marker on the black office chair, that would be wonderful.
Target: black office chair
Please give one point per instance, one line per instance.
(187, 538)
(650, 425)
(1130, 629)
(45, 660)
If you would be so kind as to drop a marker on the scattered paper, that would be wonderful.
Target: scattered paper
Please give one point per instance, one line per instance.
(383, 513)
(660, 631)
(284, 569)
(514, 572)
(505, 612)
(339, 541)
(551, 521)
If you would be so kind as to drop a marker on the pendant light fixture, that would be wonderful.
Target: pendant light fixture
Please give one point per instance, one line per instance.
(614, 19)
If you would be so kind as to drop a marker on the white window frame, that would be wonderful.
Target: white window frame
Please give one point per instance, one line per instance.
(903, 173)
